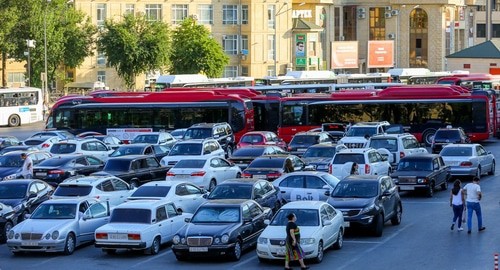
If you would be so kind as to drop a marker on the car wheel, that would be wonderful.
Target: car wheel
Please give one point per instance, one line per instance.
(378, 227)
(444, 185)
(109, 251)
(427, 136)
(134, 184)
(155, 246)
(8, 226)
(238, 175)
(212, 185)
(69, 246)
(398, 214)
(14, 120)
(319, 257)
(236, 255)
(430, 190)
(340, 240)
(492, 171)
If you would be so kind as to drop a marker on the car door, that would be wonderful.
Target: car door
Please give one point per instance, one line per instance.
(41, 194)
(95, 164)
(141, 170)
(102, 152)
(298, 164)
(155, 170)
(94, 216)
(387, 190)
(337, 222)
(121, 191)
(315, 188)
(217, 170)
(188, 197)
(484, 159)
(439, 173)
(162, 224)
(258, 194)
(105, 192)
(246, 229)
(175, 218)
(81, 166)
(328, 234)
(230, 171)
(288, 185)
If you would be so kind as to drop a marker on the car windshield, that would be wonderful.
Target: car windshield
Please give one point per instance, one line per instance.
(415, 165)
(178, 132)
(72, 190)
(63, 148)
(55, 211)
(356, 189)
(190, 164)
(319, 152)
(197, 133)
(389, 144)
(267, 163)
(10, 191)
(151, 191)
(333, 127)
(361, 131)
(127, 150)
(344, 158)
(305, 217)
(251, 139)
(217, 214)
(117, 165)
(186, 149)
(54, 162)
(11, 161)
(447, 135)
(16, 148)
(248, 152)
(231, 192)
(146, 139)
(456, 152)
(305, 139)
(160, 149)
(126, 215)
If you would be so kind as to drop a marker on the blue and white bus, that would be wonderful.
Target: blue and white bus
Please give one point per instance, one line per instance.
(20, 106)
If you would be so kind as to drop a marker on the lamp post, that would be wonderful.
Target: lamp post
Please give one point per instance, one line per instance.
(30, 43)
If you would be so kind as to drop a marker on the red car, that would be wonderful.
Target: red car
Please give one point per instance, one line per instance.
(261, 138)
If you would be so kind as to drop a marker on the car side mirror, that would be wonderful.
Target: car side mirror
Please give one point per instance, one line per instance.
(327, 193)
(86, 216)
(204, 196)
(179, 211)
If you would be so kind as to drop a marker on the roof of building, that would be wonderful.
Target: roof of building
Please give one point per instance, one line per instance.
(301, 24)
(489, 49)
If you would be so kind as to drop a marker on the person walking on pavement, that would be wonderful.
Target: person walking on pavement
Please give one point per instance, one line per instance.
(293, 250)
(457, 202)
(473, 195)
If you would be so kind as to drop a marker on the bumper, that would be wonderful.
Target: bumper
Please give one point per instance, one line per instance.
(117, 245)
(273, 252)
(359, 221)
(412, 187)
(463, 171)
(211, 251)
(36, 246)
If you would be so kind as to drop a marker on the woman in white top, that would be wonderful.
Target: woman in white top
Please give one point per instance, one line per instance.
(457, 202)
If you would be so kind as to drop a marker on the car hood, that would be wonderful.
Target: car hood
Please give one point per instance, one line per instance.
(11, 202)
(207, 229)
(43, 225)
(342, 203)
(6, 171)
(410, 173)
(279, 232)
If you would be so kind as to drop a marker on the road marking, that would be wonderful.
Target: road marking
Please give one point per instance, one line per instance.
(150, 259)
(362, 242)
(244, 262)
(45, 261)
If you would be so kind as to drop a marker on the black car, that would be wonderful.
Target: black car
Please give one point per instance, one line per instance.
(158, 151)
(368, 201)
(222, 132)
(243, 156)
(422, 172)
(221, 228)
(11, 163)
(320, 155)
(24, 195)
(54, 170)
(134, 169)
(272, 166)
(6, 141)
(7, 221)
(337, 130)
(444, 136)
(261, 191)
(302, 140)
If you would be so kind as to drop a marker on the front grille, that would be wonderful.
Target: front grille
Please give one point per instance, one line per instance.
(277, 242)
(355, 145)
(31, 236)
(199, 241)
(350, 213)
(407, 180)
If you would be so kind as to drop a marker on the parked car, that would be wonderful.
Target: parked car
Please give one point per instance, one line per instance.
(42, 142)
(185, 195)
(204, 172)
(261, 191)
(59, 226)
(158, 151)
(337, 130)
(140, 225)
(397, 145)
(272, 167)
(23, 148)
(109, 140)
(321, 227)
(160, 138)
(261, 138)
(369, 160)
(243, 156)
(83, 146)
(55, 169)
(222, 132)
(11, 163)
(63, 134)
(109, 189)
(320, 155)
(178, 133)
(134, 169)
(6, 141)
(7, 221)
(447, 135)
(221, 228)
(470, 160)
(192, 148)
(422, 172)
(303, 140)
(24, 195)
(305, 186)
(357, 135)
(368, 201)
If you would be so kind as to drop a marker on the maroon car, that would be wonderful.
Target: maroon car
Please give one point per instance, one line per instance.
(261, 138)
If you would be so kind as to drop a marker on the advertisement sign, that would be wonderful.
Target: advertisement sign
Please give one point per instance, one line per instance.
(300, 45)
(380, 53)
(344, 54)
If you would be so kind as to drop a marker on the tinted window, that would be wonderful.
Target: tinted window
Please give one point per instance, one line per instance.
(456, 151)
(361, 131)
(63, 148)
(185, 149)
(356, 189)
(314, 182)
(389, 144)
(327, 152)
(151, 191)
(190, 163)
(343, 158)
(153, 139)
(294, 181)
(254, 138)
(267, 163)
(117, 165)
(248, 152)
(415, 165)
(447, 135)
(131, 216)
(33, 142)
(11, 161)
(197, 133)
(13, 191)
(72, 190)
(231, 192)
(305, 139)
(127, 150)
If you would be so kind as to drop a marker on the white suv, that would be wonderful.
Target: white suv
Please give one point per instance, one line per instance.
(85, 146)
(369, 160)
(357, 135)
(192, 148)
(396, 146)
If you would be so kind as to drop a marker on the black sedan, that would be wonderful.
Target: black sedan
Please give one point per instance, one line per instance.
(243, 156)
(320, 155)
(262, 191)
(158, 151)
(272, 167)
(6, 141)
(54, 170)
(24, 195)
(7, 221)
(221, 228)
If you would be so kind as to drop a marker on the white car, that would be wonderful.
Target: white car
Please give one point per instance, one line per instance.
(369, 160)
(104, 188)
(84, 146)
(305, 186)
(192, 148)
(398, 146)
(204, 172)
(42, 142)
(140, 225)
(357, 135)
(186, 196)
(321, 227)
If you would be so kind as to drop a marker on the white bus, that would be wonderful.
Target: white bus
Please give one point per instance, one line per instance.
(20, 106)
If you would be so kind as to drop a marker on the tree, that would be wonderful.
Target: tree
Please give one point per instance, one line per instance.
(9, 16)
(195, 51)
(135, 46)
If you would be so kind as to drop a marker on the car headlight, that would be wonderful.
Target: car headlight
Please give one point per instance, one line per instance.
(55, 235)
(176, 239)
(367, 209)
(217, 240)
(307, 241)
(10, 177)
(422, 180)
(18, 208)
(262, 240)
(47, 236)
(225, 239)
(11, 234)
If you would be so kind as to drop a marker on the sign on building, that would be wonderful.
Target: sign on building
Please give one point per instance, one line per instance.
(380, 53)
(344, 54)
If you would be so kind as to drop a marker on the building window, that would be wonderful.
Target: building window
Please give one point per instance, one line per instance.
(206, 14)
(418, 38)
(270, 47)
(101, 14)
(467, 66)
(229, 14)
(101, 58)
(179, 13)
(129, 9)
(271, 16)
(230, 44)
(495, 30)
(350, 21)
(336, 24)
(101, 76)
(244, 14)
(16, 79)
(377, 23)
(244, 42)
(244, 70)
(153, 12)
(481, 30)
(270, 71)
(230, 71)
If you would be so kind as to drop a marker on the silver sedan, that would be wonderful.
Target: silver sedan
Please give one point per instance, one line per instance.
(468, 160)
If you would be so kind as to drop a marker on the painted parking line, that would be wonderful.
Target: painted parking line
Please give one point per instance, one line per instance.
(45, 261)
(253, 257)
(362, 242)
(157, 256)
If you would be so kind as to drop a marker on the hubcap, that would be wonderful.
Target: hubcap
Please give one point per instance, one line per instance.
(71, 244)
(320, 251)
(341, 238)
(237, 250)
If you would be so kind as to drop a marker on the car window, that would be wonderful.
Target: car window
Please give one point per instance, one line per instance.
(255, 210)
(106, 186)
(314, 182)
(100, 146)
(84, 206)
(389, 144)
(246, 212)
(40, 186)
(161, 213)
(324, 214)
(481, 151)
(136, 164)
(294, 181)
(344, 158)
(63, 148)
(81, 161)
(151, 162)
(193, 190)
(297, 162)
(181, 190)
(171, 210)
(258, 190)
(95, 211)
(223, 163)
(94, 161)
(148, 151)
(385, 185)
(119, 184)
(331, 212)
(435, 164)
(33, 189)
(266, 186)
(214, 163)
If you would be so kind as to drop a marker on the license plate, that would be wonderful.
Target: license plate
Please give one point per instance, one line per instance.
(29, 243)
(41, 174)
(280, 251)
(406, 188)
(347, 224)
(198, 249)
(182, 176)
(118, 236)
(260, 176)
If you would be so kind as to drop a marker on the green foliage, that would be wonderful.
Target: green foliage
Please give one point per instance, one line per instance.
(9, 16)
(135, 45)
(195, 51)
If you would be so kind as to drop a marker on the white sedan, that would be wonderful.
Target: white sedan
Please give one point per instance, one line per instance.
(140, 225)
(468, 160)
(186, 196)
(204, 172)
(321, 226)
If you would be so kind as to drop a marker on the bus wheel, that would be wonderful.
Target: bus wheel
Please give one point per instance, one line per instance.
(14, 120)
(427, 136)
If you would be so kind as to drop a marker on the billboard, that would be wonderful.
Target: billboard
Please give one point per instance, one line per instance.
(300, 45)
(380, 53)
(344, 54)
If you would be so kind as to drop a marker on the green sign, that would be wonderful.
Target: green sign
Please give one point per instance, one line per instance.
(300, 61)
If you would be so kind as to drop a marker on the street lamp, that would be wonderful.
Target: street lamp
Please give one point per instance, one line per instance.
(30, 43)
(279, 12)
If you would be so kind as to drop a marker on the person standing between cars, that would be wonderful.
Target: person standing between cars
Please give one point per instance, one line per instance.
(473, 195)
(293, 250)
(354, 169)
(27, 168)
(288, 166)
(457, 202)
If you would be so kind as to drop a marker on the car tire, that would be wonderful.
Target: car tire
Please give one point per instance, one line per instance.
(444, 185)
(478, 173)
(430, 190)
(70, 244)
(155, 246)
(212, 185)
(492, 171)
(321, 253)
(238, 175)
(398, 214)
(109, 251)
(340, 240)
(8, 226)
(14, 120)
(236, 254)
(426, 136)
(378, 226)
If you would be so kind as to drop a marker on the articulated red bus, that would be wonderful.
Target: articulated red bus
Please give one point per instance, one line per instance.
(421, 109)
(153, 111)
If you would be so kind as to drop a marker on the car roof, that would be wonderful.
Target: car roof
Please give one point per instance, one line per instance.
(142, 204)
(196, 141)
(303, 205)
(420, 156)
(354, 150)
(324, 145)
(257, 133)
(129, 157)
(74, 200)
(223, 202)
(78, 140)
(208, 125)
(467, 145)
(372, 178)
(68, 156)
(256, 146)
(41, 137)
(234, 181)
(310, 133)
(391, 136)
(135, 145)
(87, 180)
(169, 183)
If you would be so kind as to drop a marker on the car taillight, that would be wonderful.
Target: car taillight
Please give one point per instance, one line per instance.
(330, 168)
(246, 175)
(101, 236)
(170, 174)
(273, 175)
(56, 172)
(466, 164)
(401, 154)
(134, 236)
(367, 169)
(45, 145)
(200, 173)
(97, 197)
(289, 148)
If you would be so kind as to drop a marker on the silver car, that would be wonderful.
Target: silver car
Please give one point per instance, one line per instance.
(58, 226)
(468, 160)
(305, 186)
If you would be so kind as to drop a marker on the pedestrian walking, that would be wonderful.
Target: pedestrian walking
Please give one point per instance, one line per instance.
(293, 250)
(27, 168)
(457, 202)
(473, 195)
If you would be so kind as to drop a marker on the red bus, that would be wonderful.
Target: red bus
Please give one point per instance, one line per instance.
(154, 111)
(421, 109)
(467, 80)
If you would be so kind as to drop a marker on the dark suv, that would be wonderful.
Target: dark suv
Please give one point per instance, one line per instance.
(302, 140)
(222, 132)
(444, 136)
